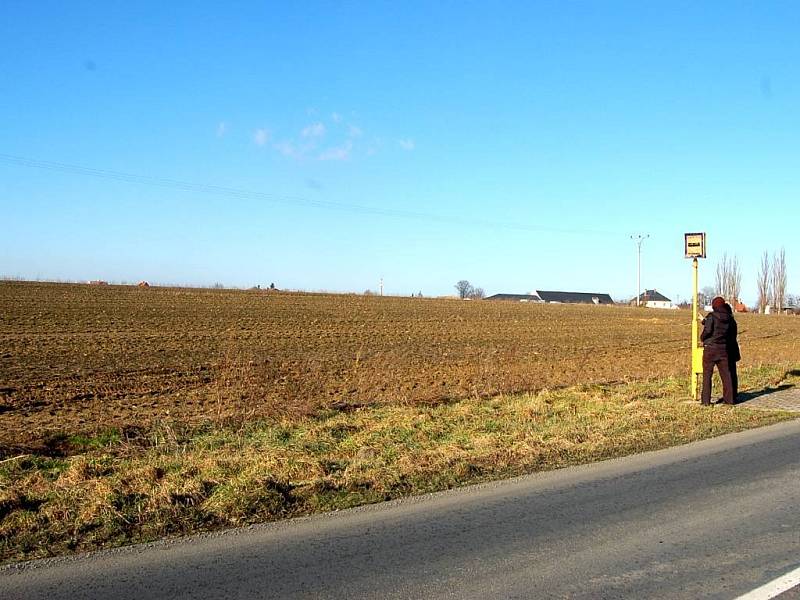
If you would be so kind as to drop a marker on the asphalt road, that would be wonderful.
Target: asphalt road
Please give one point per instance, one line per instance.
(711, 519)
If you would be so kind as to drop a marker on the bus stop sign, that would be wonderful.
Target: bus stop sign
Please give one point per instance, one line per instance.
(694, 245)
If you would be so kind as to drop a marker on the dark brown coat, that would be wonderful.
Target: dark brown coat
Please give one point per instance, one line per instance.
(719, 336)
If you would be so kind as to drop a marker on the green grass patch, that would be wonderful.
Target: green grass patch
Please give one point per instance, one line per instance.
(185, 479)
(105, 438)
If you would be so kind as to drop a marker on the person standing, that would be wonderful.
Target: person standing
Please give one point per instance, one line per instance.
(734, 353)
(715, 338)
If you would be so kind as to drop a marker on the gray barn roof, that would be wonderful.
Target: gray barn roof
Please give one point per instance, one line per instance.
(516, 297)
(575, 297)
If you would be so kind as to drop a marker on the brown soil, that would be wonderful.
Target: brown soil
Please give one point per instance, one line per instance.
(84, 359)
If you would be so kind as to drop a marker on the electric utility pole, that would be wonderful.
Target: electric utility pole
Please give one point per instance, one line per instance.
(639, 238)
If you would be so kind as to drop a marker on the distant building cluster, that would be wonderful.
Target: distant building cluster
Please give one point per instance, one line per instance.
(648, 298)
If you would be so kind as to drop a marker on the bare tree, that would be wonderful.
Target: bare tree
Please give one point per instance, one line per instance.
(764, 281)
(779, 279)
(477, 293)
(463, 288)
(735, 281)
(706, 295)
(721, 275)
(729, 278)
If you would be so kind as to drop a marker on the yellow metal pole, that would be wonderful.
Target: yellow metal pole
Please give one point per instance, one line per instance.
(697, 350)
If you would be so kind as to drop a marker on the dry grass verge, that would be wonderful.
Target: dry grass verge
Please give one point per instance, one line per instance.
(175, 480)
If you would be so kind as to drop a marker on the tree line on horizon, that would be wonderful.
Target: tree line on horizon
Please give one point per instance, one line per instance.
(771, 281)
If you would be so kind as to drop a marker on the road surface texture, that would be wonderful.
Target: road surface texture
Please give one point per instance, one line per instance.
(712, 519)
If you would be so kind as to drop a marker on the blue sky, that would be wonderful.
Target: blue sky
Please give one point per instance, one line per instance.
(516, 145)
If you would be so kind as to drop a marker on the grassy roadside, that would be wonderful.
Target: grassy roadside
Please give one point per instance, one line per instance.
(174, 480)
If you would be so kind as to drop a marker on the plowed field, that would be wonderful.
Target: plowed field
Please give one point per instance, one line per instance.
(82, 359)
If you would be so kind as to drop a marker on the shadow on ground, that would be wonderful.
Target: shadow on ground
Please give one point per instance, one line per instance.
(753, 394)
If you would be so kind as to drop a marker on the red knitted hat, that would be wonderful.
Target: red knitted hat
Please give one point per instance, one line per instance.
(717, 303)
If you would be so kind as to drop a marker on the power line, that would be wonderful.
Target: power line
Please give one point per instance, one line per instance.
(241, 194)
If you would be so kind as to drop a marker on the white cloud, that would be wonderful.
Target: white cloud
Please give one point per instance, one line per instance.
(407, 144)
(313, 130)
(222, 129)
(338, 152)
(287, 149)
(333, 138)
(260, 137)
